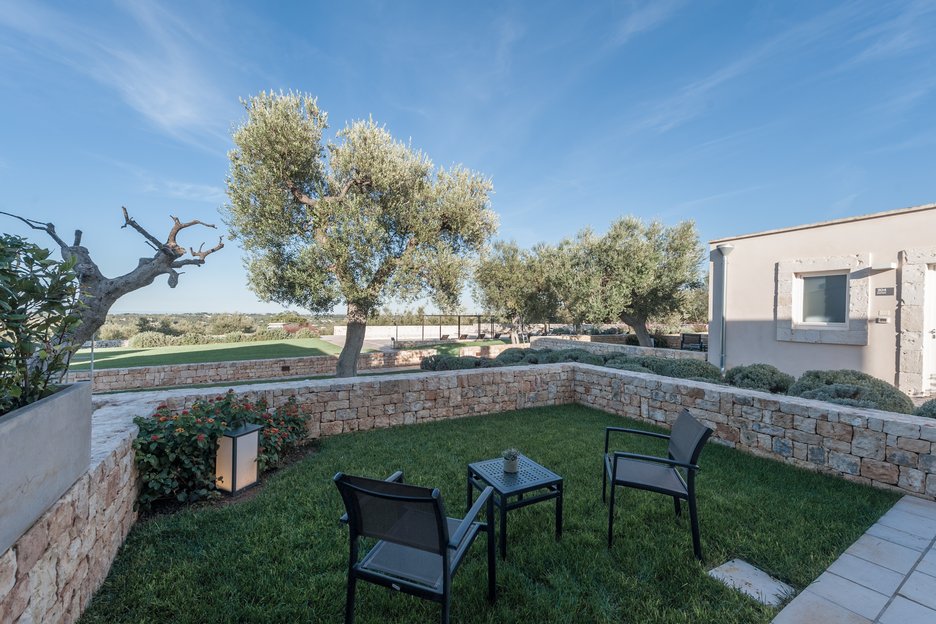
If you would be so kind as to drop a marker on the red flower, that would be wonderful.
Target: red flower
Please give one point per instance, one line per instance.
(200, 437)
(185, 412)
(154, 437)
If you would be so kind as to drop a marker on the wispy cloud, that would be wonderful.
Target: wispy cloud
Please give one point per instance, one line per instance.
(903, 33)
(150, 182)
(693, 99)
(643, 18)
(701, 201)
(156, 70)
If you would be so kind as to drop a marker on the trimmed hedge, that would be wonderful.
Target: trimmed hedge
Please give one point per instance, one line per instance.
(926, 410)
(871, 391)
(762, 377)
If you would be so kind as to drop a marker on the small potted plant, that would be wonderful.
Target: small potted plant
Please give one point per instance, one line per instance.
(511, 460)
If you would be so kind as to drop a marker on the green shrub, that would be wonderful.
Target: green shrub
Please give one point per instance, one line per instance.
(193, 339)
(513, 355)
(656, 364)
(632, 340)
(926, 410)
(150, 339)
(452, 362)
(691, 369)
(113, 331)
(267, 334)
(627, 364)
(430, 362)
(760, 377)
(229, 323)
(572, 355)
(883, 395)
(38, 303)
(844, 394)
(305, 332)
(175, 453)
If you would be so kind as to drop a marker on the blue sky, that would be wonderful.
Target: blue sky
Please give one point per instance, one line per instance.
(740, 115)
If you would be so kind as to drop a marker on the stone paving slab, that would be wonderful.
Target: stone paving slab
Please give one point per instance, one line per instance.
(756, 583)
(888, 576)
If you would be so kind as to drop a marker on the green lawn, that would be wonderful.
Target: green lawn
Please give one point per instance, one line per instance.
(281, 556)
(124, 357)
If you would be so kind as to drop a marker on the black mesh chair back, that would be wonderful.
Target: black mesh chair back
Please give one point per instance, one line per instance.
(687, 438)
(395, 512)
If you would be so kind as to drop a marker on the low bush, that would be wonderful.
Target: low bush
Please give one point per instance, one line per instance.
(430, 362)
(512, 355)
(570, 355)
(454, 362)
(762, 377)
(306, 332)
(691, 369)
(151, 339)
(844, 394)
(113, 331)
(926, 410)
(627, 364)
(632, 340)
(881, 394)
(193, 339)
(175, 453)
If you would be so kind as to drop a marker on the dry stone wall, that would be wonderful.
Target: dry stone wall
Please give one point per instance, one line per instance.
(51, 572)
(139, 377)
(604, 348)
(895, 451)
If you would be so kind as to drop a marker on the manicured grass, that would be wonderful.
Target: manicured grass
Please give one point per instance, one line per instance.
(124, 357)
(281, 556)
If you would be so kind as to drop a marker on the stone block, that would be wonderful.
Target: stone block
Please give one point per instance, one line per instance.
(842, 462)
(911, 479)
(901, 457)
(7, 573)
(31, 546)
(879, 471)
(868, 444)
(903, 429)
(782, 447)
(834, 430)
(913, 445)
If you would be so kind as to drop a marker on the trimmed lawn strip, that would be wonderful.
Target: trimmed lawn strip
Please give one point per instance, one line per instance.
(281, 556)
(126, 357)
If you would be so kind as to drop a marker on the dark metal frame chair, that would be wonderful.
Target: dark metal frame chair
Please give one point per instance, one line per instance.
(419, 548)
(659, 474)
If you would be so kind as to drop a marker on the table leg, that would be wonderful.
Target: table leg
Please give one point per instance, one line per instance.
(559, 511)
(503, 527)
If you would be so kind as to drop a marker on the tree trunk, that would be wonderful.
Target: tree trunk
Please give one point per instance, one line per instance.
(354, 341)
(639, 325)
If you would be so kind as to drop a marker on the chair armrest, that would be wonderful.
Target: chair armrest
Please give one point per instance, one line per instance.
(659, 460)
(468, 520)
(396, 477)
(651, 434)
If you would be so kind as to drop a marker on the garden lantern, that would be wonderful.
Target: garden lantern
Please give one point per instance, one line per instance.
(236, 465)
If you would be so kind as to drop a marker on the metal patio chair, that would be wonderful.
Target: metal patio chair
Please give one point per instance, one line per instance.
(418, 548)
(659, 474)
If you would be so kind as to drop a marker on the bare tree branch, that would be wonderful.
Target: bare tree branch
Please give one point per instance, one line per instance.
(153, 241)
(204, 254)
(48, 228)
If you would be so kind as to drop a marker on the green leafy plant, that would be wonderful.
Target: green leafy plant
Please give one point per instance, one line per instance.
(510, 454)
(38, 308)
(926, 410)
(176, 453)
(881, 394)
(760, 377)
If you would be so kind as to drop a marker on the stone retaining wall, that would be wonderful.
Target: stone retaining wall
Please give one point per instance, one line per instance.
(140, 377)
(895, 451)
(51, 572)
(339, 406)
(584, 342)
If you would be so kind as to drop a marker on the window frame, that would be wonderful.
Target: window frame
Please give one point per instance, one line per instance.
(798, 300)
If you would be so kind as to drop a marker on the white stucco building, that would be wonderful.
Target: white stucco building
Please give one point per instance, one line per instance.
(855, 293)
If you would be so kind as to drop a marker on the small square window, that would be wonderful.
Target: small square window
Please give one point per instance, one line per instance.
(825, 299)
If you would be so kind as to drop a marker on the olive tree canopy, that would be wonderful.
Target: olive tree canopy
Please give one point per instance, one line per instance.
(356, 221)
(635, 273)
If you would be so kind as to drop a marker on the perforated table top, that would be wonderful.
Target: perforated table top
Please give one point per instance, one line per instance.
(529, 475)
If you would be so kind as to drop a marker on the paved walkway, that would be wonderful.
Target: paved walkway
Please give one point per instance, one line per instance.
(888, 576)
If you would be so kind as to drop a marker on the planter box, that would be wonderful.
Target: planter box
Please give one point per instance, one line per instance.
(44, 448)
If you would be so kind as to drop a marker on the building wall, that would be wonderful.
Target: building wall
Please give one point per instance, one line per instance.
(760, 270)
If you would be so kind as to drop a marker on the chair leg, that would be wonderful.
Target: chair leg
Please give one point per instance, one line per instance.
(678, 506)
(491, 556)
(611, 517)
(694, 521)
(446, 607)
(349, 603)
(604, 480)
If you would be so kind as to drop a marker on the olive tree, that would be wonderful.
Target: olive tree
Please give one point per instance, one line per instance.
(513, 283)
(354, 221)
(634, 273)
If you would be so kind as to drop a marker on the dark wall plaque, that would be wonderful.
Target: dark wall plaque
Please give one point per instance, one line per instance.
(883, 292)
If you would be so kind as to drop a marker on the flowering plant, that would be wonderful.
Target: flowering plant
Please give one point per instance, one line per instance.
(176, 452)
